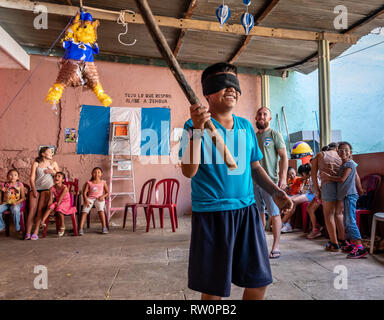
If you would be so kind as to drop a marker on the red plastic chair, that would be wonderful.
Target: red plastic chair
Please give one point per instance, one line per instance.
(170, 193)
(23, 209)
(73, 188)
(304, 214)
(149, 186)
(369, 183)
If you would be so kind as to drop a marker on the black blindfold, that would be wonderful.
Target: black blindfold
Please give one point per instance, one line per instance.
(219, 82)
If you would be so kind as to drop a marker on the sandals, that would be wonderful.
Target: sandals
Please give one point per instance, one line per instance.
(42, 225)
(27, 236)
(61, 232)
(275, 254)
(34, 237)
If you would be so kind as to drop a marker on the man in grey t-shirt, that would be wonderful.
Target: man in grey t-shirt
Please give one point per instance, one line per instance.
(272, 146)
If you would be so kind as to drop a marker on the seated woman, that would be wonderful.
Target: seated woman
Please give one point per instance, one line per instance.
(304, 194)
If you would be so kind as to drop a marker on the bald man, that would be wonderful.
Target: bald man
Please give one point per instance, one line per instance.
(272, 146)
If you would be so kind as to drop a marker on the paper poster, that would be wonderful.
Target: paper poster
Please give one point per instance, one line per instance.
(70, 135)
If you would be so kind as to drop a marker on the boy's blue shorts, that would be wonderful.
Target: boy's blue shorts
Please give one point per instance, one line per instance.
(228, 246)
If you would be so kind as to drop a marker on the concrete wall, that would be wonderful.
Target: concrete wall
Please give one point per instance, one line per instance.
(356, 97)
(30, 121)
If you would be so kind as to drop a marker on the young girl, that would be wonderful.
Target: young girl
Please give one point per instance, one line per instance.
(62, 205)
(329, 162)
(41, 180)
(302, 196)
(94, 193)
(294, 183)
(13, 196)
(347, 191)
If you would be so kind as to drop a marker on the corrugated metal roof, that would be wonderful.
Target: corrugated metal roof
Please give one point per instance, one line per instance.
(206, 46)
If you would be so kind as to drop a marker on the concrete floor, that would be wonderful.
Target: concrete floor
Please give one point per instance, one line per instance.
(140, 265)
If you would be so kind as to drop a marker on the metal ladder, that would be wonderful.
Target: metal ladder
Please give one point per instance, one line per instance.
(120, 136)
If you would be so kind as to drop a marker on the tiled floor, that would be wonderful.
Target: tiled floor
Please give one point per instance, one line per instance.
(153, 265)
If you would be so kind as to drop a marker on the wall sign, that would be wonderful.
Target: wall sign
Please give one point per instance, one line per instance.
(150, 98)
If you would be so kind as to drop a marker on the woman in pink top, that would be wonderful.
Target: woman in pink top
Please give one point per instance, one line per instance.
(94, 193)
(329, 162)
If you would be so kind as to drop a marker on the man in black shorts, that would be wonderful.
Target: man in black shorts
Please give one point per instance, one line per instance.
(227, 240)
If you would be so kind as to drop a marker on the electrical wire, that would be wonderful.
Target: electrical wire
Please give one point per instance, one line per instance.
(371, 46)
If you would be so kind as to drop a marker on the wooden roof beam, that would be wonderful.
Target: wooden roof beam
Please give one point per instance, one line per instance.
(258, 18)
(365, 20)
(185, 23)
(188, 14)
(352, 28)
(13, 51)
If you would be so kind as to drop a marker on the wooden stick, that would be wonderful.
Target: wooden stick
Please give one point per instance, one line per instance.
(278, 121)
(174, 66)
(286, 126)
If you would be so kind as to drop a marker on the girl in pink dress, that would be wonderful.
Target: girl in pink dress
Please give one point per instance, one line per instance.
(62, 205)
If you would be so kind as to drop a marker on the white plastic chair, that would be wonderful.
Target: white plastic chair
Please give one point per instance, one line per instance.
(378, 216)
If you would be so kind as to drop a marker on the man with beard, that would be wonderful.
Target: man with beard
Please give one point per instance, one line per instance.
(272, 146)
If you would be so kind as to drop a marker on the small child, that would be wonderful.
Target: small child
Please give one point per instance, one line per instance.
(347, 191)
(61, 206)
(304, 194)
(13, 196)
(294, 183)
(94, 193)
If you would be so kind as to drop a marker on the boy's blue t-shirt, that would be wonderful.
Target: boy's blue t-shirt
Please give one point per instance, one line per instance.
(215, 187)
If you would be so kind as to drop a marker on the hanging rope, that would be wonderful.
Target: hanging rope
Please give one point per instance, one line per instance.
(121, 20)
(30, 76)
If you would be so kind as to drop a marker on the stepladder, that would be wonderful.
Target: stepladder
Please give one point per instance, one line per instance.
(122, 178)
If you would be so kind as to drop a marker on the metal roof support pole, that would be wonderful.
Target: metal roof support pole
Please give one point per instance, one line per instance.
(324, 93)
(265, 90)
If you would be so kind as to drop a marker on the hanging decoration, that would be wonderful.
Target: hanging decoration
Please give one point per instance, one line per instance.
(121, 20)
(247, 18)
(77, 67)
(223, 13)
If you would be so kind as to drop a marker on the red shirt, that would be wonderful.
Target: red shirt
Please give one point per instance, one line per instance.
(294, 186)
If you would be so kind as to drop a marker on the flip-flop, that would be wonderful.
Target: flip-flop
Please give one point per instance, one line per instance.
(34, 237)
(274, 254)
(27, 236)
